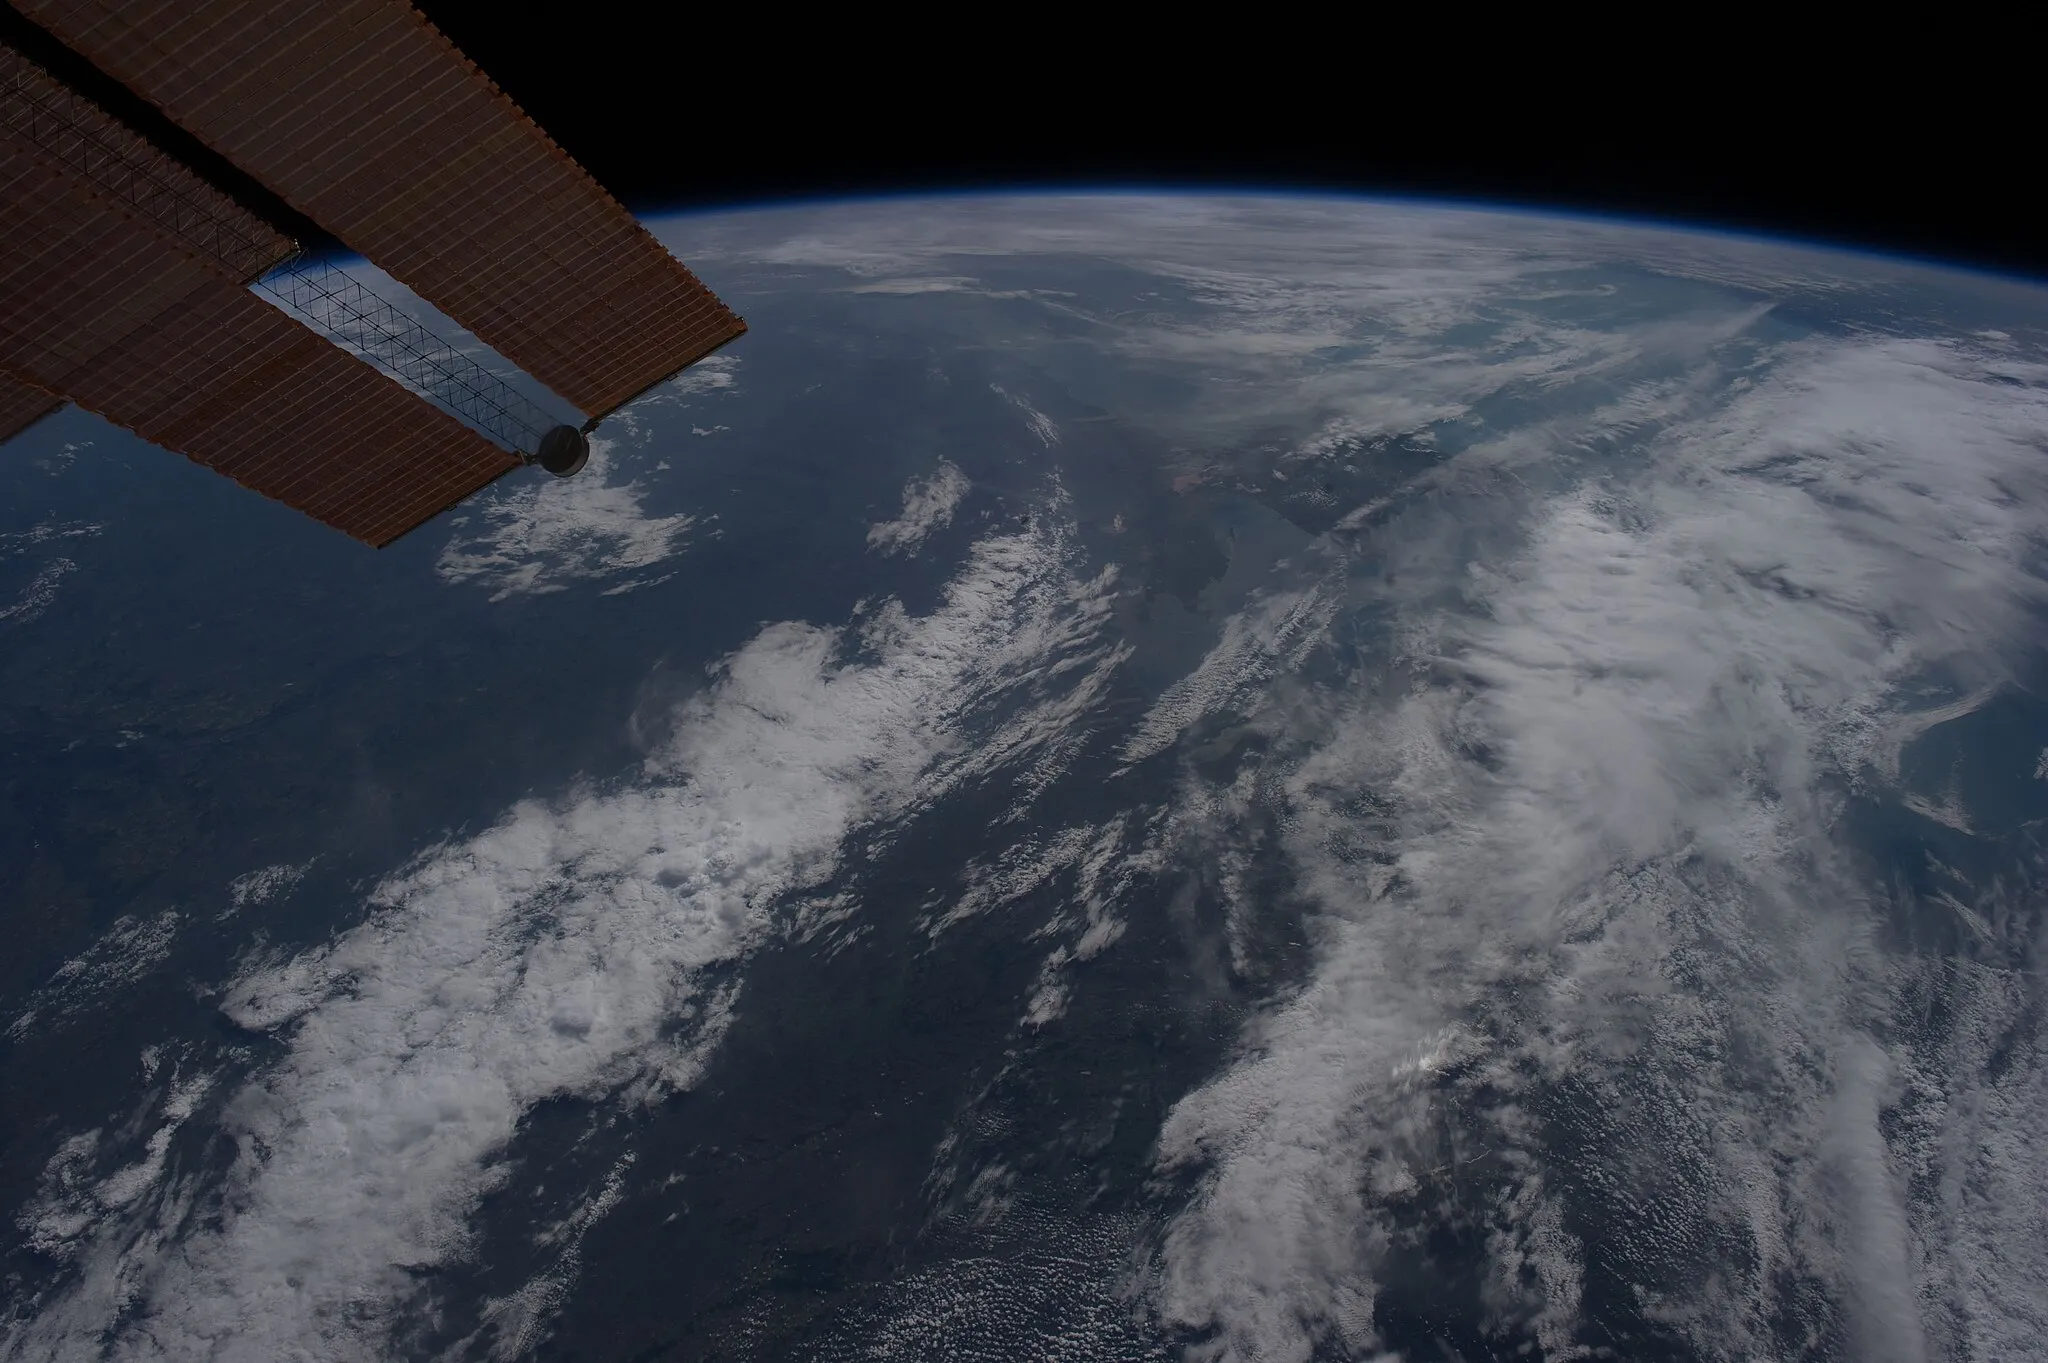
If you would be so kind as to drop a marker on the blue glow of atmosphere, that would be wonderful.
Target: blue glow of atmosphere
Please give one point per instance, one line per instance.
(1233, 190)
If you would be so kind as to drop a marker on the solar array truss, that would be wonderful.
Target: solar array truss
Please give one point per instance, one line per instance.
(40, 111)
(345, 309)
(362, 116)
(123, 287)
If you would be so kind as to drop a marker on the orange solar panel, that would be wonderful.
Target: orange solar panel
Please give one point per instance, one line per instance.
(22, 405)
(113, 308)
(361, 115)
(71, 130)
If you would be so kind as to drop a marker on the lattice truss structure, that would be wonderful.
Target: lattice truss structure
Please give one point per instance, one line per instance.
(47, 114)
(338, 304)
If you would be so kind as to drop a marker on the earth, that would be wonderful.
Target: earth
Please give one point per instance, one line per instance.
(1124, 777)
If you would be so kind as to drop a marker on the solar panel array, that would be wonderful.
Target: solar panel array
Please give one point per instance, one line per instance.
(65, 126)
(115, 307)
(364, 117)
(22, 405)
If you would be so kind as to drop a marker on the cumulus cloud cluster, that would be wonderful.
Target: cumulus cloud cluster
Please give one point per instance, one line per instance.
(928, 505)
(128, 950)
(534, 536)
(264, 884)
(542, 536)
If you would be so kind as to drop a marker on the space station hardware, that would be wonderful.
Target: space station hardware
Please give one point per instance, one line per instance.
(125, 273)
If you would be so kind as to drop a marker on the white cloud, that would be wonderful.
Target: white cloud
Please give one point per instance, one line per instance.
(14, 542)
(1017, 872)
(1268, 638)
(264, 884)
(1574, 862)
(1041, 425)
(1090, 918)
(65, 456)
(74, 1201)
(930, 284)
(35, 598)
(712, 374)
(124, 953)
(1332, 309)
(1969, 1107)
(541, 534)
(1048, 1290)
(928, 505)
(513, 1325)
(1598, 851)
(562, 953)
(1097, 871)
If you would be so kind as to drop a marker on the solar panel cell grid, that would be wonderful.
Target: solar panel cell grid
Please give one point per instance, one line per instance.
(68, 128)
(22, 405)
(365, 118)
